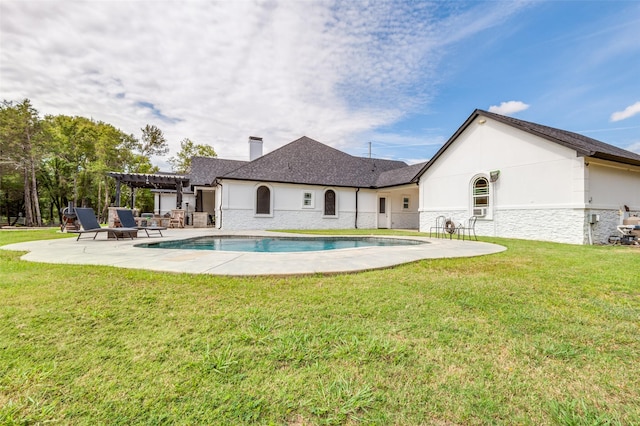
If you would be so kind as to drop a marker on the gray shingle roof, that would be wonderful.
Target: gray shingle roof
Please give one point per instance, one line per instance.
(306, 161)
(399, 176)
(204, 170)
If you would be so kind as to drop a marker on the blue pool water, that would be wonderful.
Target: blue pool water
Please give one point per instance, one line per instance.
(278, 244)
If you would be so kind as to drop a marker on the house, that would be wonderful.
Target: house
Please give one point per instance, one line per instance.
(519, 179)
(306, 185)
(525, 180)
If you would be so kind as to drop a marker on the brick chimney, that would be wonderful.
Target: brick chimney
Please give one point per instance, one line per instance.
(255, 147)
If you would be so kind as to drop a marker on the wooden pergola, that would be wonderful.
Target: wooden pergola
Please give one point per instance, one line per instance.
(166, 181)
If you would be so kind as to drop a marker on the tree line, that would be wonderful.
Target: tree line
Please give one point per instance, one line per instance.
(45, 163)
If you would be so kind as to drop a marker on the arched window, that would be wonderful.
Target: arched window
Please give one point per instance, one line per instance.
(330, 202)
(480, 196)
(263, 200)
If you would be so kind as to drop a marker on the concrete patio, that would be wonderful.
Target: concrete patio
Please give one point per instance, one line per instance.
(125, 254)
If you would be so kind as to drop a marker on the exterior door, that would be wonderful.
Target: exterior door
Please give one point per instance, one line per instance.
(383, 215)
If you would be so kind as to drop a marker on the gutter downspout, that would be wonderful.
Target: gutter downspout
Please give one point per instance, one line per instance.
(220, 218)
(356, 224)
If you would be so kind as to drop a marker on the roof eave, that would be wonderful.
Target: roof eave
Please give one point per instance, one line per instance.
(395, 185)
(289, 182)
(614, 158)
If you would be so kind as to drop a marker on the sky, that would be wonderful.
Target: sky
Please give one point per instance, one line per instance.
(396, 77)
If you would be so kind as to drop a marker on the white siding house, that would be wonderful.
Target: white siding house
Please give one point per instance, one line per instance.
(523, 180)
(291, 207)
(307, 185)
(519, 179)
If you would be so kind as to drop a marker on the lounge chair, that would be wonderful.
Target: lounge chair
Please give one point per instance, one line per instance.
(89, 223)
(127, 220)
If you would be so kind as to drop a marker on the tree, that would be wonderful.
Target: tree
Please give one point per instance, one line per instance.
(21, 138)
(181, 163)
(80, 153)
(152, 142)
(12, 194)
(72, 149)
(44, 164)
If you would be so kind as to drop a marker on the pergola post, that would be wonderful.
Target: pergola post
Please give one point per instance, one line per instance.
(178, 194)
(118, 192)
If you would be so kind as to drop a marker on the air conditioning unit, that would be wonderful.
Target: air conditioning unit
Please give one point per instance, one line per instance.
(480, 211)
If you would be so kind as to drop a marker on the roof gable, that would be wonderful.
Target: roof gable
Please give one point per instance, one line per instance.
(583, 145)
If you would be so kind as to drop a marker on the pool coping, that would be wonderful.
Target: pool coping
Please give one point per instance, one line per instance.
(124, 254)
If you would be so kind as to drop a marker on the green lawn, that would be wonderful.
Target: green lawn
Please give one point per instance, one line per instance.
(540, 334)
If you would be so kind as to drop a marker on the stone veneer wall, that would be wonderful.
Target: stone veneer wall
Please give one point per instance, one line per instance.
(113, 214)
(605, 227)
(557, 225)
(428, 219)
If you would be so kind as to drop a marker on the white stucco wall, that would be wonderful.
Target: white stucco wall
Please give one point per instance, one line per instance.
(235, 200)
(612, 186)
(208, 198)
(402, 218)
(533, 171)
(367, 208)
(544, 191)
(164, 202)
(540, 192)
(288, 212)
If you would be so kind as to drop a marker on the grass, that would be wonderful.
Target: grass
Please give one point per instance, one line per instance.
(540, 334)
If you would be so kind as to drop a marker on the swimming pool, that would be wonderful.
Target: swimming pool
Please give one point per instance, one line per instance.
(278, 244)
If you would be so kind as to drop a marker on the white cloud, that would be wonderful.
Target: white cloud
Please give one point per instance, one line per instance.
(628, 112)
(634, 148)
(508, 108)
(217, 72)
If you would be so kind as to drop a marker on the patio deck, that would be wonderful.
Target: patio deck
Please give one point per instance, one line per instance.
(124, 254)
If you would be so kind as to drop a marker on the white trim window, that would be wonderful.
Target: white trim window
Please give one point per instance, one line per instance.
(308, 201)
(263, 201)
(481, 197)
(330, 207)
(406, 202)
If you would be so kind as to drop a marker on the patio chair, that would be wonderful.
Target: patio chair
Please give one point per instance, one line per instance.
(177, 219)
(439, 227)
(89, 224)
(468, 228)
(128, 221)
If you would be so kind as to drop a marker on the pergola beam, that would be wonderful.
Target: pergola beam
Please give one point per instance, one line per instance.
(149, 181)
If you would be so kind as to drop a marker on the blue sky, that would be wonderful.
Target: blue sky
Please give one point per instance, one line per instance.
(403, 75)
